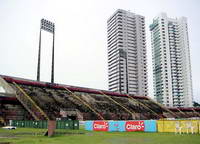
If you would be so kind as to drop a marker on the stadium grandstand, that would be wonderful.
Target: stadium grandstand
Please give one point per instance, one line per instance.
(23, 99)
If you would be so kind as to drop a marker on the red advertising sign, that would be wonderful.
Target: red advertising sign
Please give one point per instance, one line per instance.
(100, 126)
(134, 126)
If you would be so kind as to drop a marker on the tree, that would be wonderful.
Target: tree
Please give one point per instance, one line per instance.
(196, 104)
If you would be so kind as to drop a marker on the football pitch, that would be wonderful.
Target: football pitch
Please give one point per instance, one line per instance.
(35, 136)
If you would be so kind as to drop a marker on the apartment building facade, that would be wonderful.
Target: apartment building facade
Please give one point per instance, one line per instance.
(172, 78)
(127, 60)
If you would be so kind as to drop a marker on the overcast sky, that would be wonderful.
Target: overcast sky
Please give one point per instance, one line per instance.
(81, 37)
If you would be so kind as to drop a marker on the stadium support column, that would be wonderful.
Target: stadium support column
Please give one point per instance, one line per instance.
(39, 54)
(52, 69)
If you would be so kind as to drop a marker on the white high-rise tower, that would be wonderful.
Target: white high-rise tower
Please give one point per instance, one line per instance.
(171, 61)
(127, 61)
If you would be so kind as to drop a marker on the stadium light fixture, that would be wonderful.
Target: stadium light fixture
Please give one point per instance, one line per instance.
(48, 26)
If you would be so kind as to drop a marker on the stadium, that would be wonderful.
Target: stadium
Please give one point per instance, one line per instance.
(31, 100)
(30, 109)
(74, 113)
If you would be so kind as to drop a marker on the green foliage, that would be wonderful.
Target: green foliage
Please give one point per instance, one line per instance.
(195, 104)
(35, 136)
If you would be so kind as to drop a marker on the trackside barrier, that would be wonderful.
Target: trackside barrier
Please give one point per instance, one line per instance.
(89, 125)
(141, 125)
(150, 126)
(179, 126)
(68, 124)
(116, 126)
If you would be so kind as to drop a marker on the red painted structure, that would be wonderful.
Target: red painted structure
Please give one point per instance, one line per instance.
(61, 86)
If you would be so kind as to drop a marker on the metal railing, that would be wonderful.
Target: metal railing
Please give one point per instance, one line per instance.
(29, 104)
(83, 102)
(114, 101)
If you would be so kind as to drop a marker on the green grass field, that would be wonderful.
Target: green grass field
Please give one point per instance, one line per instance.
(35, 136)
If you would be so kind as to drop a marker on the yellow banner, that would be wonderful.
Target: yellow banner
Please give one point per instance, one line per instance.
(179, 126)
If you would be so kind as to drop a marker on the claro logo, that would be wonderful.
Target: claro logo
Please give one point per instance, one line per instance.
(134, 126)
(100, 126)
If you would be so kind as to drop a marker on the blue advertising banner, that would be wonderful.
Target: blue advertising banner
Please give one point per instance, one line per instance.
(89, 125)
(116, 126)
(121, 126)
(150, 126)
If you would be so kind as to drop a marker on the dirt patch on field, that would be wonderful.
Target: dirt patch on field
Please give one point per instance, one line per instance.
(5, 143)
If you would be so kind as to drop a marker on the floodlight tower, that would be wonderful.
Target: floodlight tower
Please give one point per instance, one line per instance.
(49, 27)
